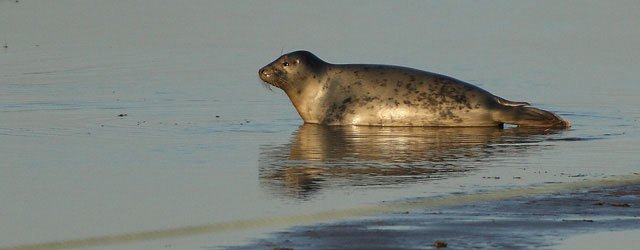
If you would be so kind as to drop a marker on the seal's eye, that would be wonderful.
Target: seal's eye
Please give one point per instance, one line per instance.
(285, 64)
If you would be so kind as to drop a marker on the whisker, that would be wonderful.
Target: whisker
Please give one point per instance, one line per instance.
(266, 86)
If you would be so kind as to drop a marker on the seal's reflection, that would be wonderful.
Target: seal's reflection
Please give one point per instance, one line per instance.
(320, 156)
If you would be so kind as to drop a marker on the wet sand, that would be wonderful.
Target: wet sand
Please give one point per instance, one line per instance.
(539, 222)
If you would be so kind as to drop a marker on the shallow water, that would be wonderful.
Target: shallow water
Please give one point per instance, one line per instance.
(619, 239)
(118, 118)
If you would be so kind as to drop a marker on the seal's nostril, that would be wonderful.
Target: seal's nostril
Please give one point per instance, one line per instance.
(264, 73)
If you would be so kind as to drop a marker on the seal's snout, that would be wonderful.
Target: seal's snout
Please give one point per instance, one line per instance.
(264, 74)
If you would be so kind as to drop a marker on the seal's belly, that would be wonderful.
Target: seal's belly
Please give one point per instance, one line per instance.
(411, 116)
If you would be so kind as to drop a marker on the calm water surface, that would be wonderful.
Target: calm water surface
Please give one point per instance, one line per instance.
(102, 135)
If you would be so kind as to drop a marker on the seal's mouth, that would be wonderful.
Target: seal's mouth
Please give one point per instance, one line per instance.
(270, 76)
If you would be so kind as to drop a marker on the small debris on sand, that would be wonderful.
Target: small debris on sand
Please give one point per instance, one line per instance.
(584, 220)
(440, 244)
(613, 204)
(491, 177)
(619, 204)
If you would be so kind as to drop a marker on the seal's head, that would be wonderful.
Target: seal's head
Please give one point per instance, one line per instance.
(292, 69)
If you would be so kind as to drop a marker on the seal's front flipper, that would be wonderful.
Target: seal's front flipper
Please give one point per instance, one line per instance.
(530, 117)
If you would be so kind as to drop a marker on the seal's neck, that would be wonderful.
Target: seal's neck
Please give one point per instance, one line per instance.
(309, 95)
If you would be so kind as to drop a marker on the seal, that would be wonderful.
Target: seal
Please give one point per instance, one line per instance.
(386, 95)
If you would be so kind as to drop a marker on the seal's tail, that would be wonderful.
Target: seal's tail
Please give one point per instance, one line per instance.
(531, 117)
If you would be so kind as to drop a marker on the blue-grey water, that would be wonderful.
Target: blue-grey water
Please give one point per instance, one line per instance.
(120, 117)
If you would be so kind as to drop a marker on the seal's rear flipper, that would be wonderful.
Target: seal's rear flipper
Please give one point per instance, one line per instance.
(530, 117)
(506, 102)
